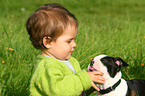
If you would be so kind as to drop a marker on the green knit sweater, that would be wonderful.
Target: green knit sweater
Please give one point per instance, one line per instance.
(54, 78)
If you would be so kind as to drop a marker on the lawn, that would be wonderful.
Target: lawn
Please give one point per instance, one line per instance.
(115, 28)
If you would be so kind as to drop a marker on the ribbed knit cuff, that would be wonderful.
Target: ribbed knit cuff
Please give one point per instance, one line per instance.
(85, 79)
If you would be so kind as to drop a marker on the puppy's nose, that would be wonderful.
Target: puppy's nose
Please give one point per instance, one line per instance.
(92, 62)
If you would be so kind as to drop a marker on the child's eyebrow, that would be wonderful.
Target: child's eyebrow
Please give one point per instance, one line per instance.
(73, 38)
(70, 38)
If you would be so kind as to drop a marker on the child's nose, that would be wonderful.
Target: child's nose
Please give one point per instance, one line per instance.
(74, 44)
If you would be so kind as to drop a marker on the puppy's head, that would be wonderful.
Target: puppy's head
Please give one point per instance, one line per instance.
(107, 64)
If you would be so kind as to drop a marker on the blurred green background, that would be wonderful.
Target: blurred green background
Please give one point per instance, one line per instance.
(112, 27)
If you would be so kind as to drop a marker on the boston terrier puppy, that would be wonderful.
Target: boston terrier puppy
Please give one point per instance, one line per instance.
(114, 84)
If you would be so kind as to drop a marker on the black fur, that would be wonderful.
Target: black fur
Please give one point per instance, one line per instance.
(137, 86)
(112, 67)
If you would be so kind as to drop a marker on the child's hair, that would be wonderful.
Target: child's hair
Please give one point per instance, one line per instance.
(49, 20)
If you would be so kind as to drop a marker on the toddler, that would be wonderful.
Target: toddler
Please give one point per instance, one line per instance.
(53, 29)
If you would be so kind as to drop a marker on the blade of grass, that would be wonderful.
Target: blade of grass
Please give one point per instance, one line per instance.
(9, 39)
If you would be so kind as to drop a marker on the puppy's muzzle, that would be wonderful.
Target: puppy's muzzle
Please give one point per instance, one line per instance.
(91, 65)
(92, 62)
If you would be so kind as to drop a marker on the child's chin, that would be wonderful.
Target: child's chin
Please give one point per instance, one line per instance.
(68, 57)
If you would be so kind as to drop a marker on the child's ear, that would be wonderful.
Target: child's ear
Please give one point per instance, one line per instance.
(47, 42)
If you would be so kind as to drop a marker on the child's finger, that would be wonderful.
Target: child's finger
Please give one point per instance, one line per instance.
(98, 73)
(99, 79)
(94, 86)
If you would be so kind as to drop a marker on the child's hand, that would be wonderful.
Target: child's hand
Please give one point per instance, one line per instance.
(95, 76)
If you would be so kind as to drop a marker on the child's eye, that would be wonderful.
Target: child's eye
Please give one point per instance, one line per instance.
(69, 41)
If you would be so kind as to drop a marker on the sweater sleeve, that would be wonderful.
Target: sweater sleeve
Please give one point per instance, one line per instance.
(54, 78)
(54, 83)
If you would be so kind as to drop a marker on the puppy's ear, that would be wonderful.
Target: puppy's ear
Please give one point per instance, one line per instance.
(120, 62)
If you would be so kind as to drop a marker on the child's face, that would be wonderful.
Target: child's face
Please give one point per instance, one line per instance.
(64, 46)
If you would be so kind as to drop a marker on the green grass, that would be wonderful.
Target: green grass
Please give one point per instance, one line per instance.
(115, 28)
